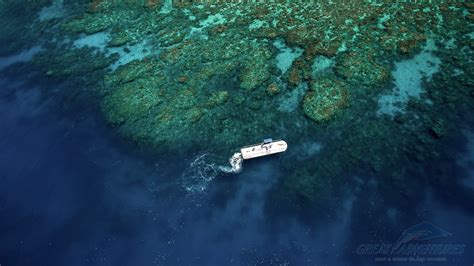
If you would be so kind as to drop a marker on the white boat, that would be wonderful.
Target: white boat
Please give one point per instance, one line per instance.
(267, 147)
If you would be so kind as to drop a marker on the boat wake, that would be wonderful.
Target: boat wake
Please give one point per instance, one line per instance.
(205, 168)
(235, 167)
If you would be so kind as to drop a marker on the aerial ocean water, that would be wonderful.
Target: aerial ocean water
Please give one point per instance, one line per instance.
(117, 118)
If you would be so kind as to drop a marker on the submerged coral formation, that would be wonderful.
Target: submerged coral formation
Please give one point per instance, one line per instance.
(183, 75)
(360, 68)
(325, 99)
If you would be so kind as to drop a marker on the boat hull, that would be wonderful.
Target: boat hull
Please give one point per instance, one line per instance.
(263, 149)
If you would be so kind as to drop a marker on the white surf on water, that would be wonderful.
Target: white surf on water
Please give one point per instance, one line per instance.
(204, 168)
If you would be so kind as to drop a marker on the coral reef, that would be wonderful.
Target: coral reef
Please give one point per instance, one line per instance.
(326, 97)
(255, 70)
(359, 68)
(193, 76)
(17, 31)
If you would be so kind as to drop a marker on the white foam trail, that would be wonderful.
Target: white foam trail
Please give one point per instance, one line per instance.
(236, 162)
(202, 170)
(199, 173)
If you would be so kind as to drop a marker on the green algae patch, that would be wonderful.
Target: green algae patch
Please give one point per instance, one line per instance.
(153, 116)
(326, 98)
(130, 72)
(439, 128)
(73, 62)
(218, 98)
(256, 69)
(121, 38)
(360, 68)
(130, 101)
(299, 71)
(88, 24)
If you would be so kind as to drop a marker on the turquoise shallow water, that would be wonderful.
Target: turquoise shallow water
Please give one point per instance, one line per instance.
(75, 191)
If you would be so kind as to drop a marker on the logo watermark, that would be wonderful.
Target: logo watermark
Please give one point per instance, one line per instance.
(413, 246)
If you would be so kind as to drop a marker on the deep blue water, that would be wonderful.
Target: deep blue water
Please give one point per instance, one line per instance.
(72, 193)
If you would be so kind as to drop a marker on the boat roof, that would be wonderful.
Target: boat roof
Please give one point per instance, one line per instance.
(260, 143)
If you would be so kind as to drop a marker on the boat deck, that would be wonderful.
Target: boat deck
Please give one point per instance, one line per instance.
(263, 149)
